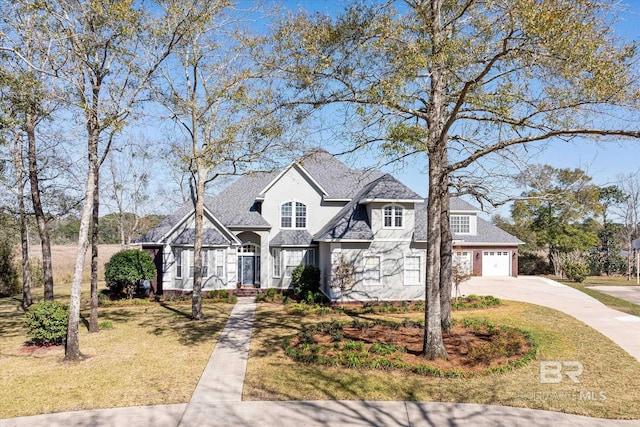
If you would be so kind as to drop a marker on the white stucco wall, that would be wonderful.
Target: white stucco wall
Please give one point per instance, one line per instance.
(294, 187)
(392, 281)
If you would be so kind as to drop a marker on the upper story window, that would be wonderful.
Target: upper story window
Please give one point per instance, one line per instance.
(293, 215)
(460, 224)
(393, 216)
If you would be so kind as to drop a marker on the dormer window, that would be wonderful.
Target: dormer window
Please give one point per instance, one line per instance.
(293, 215)
(460, 224)
(393, 216)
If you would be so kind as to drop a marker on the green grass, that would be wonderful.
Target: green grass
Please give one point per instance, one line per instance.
(607, 281)
(608, 300)
(607, 368)
(145, 354)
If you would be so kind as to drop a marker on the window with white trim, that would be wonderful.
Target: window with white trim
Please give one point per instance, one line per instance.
(412, 270)
(293, 215)
(277, 261)
(293, 259)
(178, 256)
(460, 224)
(301, 215)
(219, 263)
(205, 263)
(393, 216)
(371, 271)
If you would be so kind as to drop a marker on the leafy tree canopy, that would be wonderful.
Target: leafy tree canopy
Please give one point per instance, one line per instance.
(558, 207)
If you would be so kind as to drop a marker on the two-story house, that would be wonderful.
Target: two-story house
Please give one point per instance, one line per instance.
(321, 212)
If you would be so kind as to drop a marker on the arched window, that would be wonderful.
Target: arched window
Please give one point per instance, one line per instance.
(393, 216)
(293, 215)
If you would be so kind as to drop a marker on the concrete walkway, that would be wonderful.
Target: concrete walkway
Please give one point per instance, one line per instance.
(621, 328)
(216, 400)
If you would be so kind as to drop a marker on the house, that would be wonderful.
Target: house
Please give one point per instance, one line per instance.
(319, 211)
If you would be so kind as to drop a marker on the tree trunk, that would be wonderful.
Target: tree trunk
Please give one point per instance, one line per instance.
(27, 300)
(93, 316)
(43, 226)
(196, 303)
(433, 345)
(72, 348)
(446, 263)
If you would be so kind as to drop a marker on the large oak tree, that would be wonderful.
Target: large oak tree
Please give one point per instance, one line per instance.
(461, 80)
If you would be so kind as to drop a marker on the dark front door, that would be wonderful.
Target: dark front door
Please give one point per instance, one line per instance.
(247, 268)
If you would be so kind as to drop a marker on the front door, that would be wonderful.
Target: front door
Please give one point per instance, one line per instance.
(247, 268)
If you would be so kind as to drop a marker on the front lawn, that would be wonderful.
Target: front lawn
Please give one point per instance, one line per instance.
(608, 300)
(147, 354)
(607, 388)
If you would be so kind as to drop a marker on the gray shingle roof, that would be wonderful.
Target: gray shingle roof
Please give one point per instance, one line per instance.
(210, 237)
(155, 234)
(352, 222)
(488, 233)
(292, 238)
(458, 204)
(387, 187)
(336, 178)
(420, 227)
(235, 205)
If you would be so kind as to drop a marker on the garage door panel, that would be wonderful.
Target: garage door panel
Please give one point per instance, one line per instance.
(496, 263)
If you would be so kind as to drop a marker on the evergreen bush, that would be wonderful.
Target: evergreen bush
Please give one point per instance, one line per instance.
(126, 268)
(576, 271)
(9, 282)
(305, 282)
(46, 323)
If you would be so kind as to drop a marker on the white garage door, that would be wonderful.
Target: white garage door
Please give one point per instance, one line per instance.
(496, 263)
(462, 260)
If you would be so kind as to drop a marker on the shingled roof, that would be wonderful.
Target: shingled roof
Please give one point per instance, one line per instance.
(352, 222)
(486, 233)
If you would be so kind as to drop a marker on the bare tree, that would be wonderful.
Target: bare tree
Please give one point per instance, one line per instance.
(129, 168)
(222, 108)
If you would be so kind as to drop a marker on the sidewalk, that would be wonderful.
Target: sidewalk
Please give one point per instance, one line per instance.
(216, 400)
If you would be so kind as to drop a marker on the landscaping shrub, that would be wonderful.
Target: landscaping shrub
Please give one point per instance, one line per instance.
(126, 268)
(9, 283)
(305, 282)
(46, 323)
(532, 263)
(575, 271)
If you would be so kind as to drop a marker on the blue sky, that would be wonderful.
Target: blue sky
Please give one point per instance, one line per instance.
(604, 161)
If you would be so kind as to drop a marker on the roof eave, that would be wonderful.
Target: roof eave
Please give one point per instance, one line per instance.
(464, 243)
(343, 240)
(376, 200)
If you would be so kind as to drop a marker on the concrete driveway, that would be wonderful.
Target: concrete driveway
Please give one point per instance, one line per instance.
(621, 328)
(627, 293)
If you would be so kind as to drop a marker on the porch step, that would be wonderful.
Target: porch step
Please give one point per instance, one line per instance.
(246, 291)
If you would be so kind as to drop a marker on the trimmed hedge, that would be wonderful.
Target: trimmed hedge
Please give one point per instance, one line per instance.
(46, 323)
(126, 268)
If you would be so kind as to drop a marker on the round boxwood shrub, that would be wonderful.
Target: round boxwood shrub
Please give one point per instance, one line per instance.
(575, 271)
(126, 269)
(46, 323)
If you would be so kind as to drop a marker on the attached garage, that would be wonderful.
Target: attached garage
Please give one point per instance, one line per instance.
(496, 263)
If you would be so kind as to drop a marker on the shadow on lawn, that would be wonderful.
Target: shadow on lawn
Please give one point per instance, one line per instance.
(189, 332)
(12, 318)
